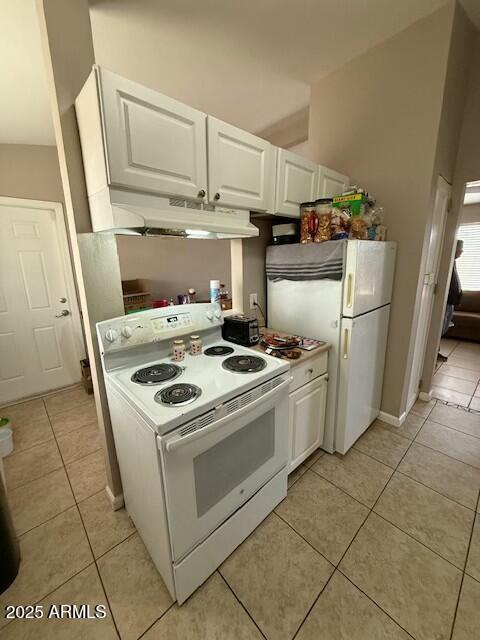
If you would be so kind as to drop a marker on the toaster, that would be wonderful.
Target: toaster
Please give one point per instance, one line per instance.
(241, 330)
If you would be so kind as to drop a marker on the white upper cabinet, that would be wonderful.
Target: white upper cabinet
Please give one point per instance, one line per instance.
(153, 143)
(331, 183)
(297, 182)
(241, 168)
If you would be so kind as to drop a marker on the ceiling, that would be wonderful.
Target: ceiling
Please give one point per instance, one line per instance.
(250, 63)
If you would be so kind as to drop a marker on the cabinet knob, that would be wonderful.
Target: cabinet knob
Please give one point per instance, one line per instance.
(310, 371)
(201, 193)
(217, 196)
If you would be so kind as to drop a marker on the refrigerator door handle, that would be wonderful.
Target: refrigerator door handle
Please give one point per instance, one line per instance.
(349, 290)
(346, 343)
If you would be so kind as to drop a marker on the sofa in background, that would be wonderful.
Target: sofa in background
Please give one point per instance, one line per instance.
(466, 318)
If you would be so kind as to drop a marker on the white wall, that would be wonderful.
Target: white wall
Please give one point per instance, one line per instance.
(30, 171)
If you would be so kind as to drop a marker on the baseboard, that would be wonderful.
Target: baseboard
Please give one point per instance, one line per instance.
(395, 421)
(425, 397)
(117, 502)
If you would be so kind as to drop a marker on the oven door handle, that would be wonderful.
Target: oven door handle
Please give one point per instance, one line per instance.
(175, 443)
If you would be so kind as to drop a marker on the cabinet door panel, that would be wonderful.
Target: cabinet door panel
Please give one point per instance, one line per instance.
(241, 168)
(297, 182)
(154, 143)
(307, 420)
(331, 183)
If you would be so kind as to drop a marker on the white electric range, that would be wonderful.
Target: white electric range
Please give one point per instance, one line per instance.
(201, 443)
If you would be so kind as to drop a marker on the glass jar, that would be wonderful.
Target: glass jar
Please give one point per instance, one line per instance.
(195, 345)
(323, 209)
(307, 221)
(178, 350)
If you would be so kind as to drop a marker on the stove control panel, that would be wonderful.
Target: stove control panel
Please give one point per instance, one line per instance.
(170, 323)
(158, 325)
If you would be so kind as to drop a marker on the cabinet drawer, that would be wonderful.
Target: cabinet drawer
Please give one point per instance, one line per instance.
(311, 369)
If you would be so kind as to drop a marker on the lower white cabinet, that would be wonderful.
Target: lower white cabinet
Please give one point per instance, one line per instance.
(306, 420)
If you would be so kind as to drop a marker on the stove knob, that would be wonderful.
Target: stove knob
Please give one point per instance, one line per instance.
(111, 335)
(127, 332)
(218, 313)
(209, 315)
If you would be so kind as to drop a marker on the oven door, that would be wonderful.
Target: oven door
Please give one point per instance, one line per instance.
(209, 473)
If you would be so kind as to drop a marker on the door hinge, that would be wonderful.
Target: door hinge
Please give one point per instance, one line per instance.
(449, 205)
(435, 289)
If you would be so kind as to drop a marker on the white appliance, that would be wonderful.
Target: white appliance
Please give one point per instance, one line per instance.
(201, 443)
(352, 314)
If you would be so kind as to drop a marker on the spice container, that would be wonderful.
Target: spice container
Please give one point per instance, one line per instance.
(308, 221)
(323, 210)
(178, 350)
(195, 345)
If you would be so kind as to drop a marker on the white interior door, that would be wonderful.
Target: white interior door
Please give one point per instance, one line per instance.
(241, 168)
(369, 271)
(39, 342)
(297, 182)
(154, 143)
(430, 277)
(362, 359)
(331, 183)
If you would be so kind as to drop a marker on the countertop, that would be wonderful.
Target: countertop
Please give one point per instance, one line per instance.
(305, 355)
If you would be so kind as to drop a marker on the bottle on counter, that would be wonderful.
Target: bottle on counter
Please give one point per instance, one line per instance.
(225, 300)
(178, 350)
(214, 290)
(171, 302)
(191, 295)
(195, 345)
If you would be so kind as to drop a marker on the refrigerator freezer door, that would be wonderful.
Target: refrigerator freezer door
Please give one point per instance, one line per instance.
(362, 358)
(368, 276)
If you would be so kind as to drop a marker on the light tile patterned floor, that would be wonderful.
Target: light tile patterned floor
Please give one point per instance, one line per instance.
(383, 543)
(457, 380)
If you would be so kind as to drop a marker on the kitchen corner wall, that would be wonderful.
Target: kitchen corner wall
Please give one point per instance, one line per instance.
(377, 120)
(30, 171)
(68, 54)
(250, 270)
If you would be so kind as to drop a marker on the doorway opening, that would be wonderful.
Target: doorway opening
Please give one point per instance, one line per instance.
(457, 372)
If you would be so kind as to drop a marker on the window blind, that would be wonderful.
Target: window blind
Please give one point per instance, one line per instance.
(468, 265)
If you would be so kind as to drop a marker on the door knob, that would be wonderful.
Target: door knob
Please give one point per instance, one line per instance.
(65, 312)
(201, 193)
(62, 300)
(217, 196)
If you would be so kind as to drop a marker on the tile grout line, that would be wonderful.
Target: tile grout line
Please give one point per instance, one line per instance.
(353, 539)
(454, 620)
(222, 577)
(85, 530)
(396, 527)
(155, 621)
(344, 554)
(435, 490)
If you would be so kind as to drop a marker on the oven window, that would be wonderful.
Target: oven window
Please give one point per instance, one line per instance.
(230, 462)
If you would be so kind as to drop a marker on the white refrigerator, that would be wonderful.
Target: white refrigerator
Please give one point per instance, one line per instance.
(351, 314)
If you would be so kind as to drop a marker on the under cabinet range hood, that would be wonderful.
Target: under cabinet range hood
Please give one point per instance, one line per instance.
(130, 213)
(145, 163)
